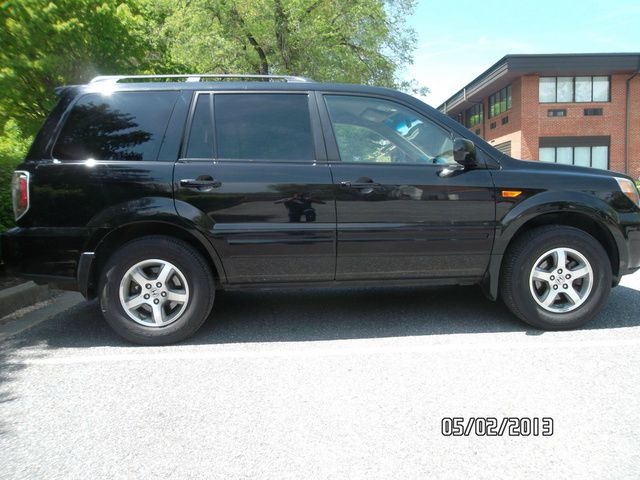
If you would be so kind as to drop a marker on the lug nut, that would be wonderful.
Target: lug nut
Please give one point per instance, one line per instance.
(158, 284)
(565, 286)
(146, 296)
(156, 301)
(555, 287)
(559, 270)
(553, 277)
(568, 276)
(164, 294)
(148, 286)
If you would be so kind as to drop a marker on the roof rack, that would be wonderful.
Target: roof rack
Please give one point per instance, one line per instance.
(195, 77)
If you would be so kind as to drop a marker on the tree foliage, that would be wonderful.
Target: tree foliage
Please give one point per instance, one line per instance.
(50, 43)
(357, 41)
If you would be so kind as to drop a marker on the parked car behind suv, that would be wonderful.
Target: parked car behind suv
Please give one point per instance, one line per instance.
(152, 193)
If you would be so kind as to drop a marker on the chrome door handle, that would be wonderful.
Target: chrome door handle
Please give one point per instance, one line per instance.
(202, 182)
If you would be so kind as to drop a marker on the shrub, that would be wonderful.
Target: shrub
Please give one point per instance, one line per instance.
(13, 146)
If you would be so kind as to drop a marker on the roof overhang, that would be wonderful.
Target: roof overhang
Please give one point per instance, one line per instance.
(511, 67)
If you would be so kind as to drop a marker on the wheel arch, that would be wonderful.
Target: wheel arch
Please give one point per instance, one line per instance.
(593, 222)
(103, 246)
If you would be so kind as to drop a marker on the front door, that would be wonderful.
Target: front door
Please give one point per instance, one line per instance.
(249, 177)
(400, 215)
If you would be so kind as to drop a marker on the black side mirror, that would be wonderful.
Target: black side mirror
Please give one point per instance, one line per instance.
(464, 152)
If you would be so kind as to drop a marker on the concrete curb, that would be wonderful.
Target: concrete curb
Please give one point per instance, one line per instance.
(23, 295)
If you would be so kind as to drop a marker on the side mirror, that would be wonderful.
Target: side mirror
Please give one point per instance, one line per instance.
(464, 152)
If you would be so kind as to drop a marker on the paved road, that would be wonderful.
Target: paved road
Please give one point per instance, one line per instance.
(324, 384)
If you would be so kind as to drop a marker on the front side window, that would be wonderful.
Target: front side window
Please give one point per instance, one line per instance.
(120, 126)
(263, 126)
(371, 130)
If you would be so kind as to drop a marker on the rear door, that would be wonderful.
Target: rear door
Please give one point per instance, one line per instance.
(249, 176)
(400, 216)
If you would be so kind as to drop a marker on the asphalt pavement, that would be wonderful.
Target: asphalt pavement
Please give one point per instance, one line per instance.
(335, 383)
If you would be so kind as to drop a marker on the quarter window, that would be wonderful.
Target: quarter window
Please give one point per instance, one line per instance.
(120, 126)
(200, 144)
(263, 126)
(573, 89)
(372, 130)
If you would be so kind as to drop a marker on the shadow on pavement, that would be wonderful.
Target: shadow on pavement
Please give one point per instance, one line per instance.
(329, 314)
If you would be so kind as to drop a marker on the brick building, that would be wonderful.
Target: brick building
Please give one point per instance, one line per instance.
(581, 109)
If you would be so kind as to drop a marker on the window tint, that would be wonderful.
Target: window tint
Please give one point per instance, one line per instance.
(263, 126)
(120, 126)
(200, 143)
(380, 131)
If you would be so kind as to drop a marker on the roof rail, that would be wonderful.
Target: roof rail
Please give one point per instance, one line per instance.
(196, 77)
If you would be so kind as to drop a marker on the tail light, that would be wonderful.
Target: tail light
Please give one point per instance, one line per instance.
(20, 193)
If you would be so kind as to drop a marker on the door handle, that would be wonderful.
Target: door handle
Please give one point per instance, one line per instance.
(202, 182)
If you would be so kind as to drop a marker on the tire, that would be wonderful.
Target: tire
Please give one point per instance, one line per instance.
(175, 309)
(525, 291)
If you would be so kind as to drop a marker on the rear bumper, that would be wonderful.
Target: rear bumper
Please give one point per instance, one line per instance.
(43, 255)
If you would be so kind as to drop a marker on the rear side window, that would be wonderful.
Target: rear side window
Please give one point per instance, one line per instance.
(120, 126)
(263, 126)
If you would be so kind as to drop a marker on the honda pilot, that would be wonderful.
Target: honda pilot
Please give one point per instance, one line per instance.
(152, 194)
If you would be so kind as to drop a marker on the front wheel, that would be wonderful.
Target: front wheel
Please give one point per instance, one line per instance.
(156, 290)
(556, 277)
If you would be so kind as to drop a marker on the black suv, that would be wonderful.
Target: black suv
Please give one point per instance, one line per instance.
(151, 193)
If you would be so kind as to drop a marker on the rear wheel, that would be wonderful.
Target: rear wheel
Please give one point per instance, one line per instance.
(156, 290)
(556, 277)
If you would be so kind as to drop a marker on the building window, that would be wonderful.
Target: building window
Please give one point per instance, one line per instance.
(595, 156)
(474, 115)
(573, 89)
(500, 101)
(557, 112)
(590, 112)
(505, 120)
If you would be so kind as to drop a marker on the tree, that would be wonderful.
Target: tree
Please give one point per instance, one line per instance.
(356, 41)
(50, 43)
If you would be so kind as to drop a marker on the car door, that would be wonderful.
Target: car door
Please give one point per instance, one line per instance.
(403, 212)
(249, 177)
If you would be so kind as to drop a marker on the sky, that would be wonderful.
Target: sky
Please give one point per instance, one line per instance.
(458, 40)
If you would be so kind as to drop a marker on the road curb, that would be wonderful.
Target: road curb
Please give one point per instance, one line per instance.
(23, 295)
